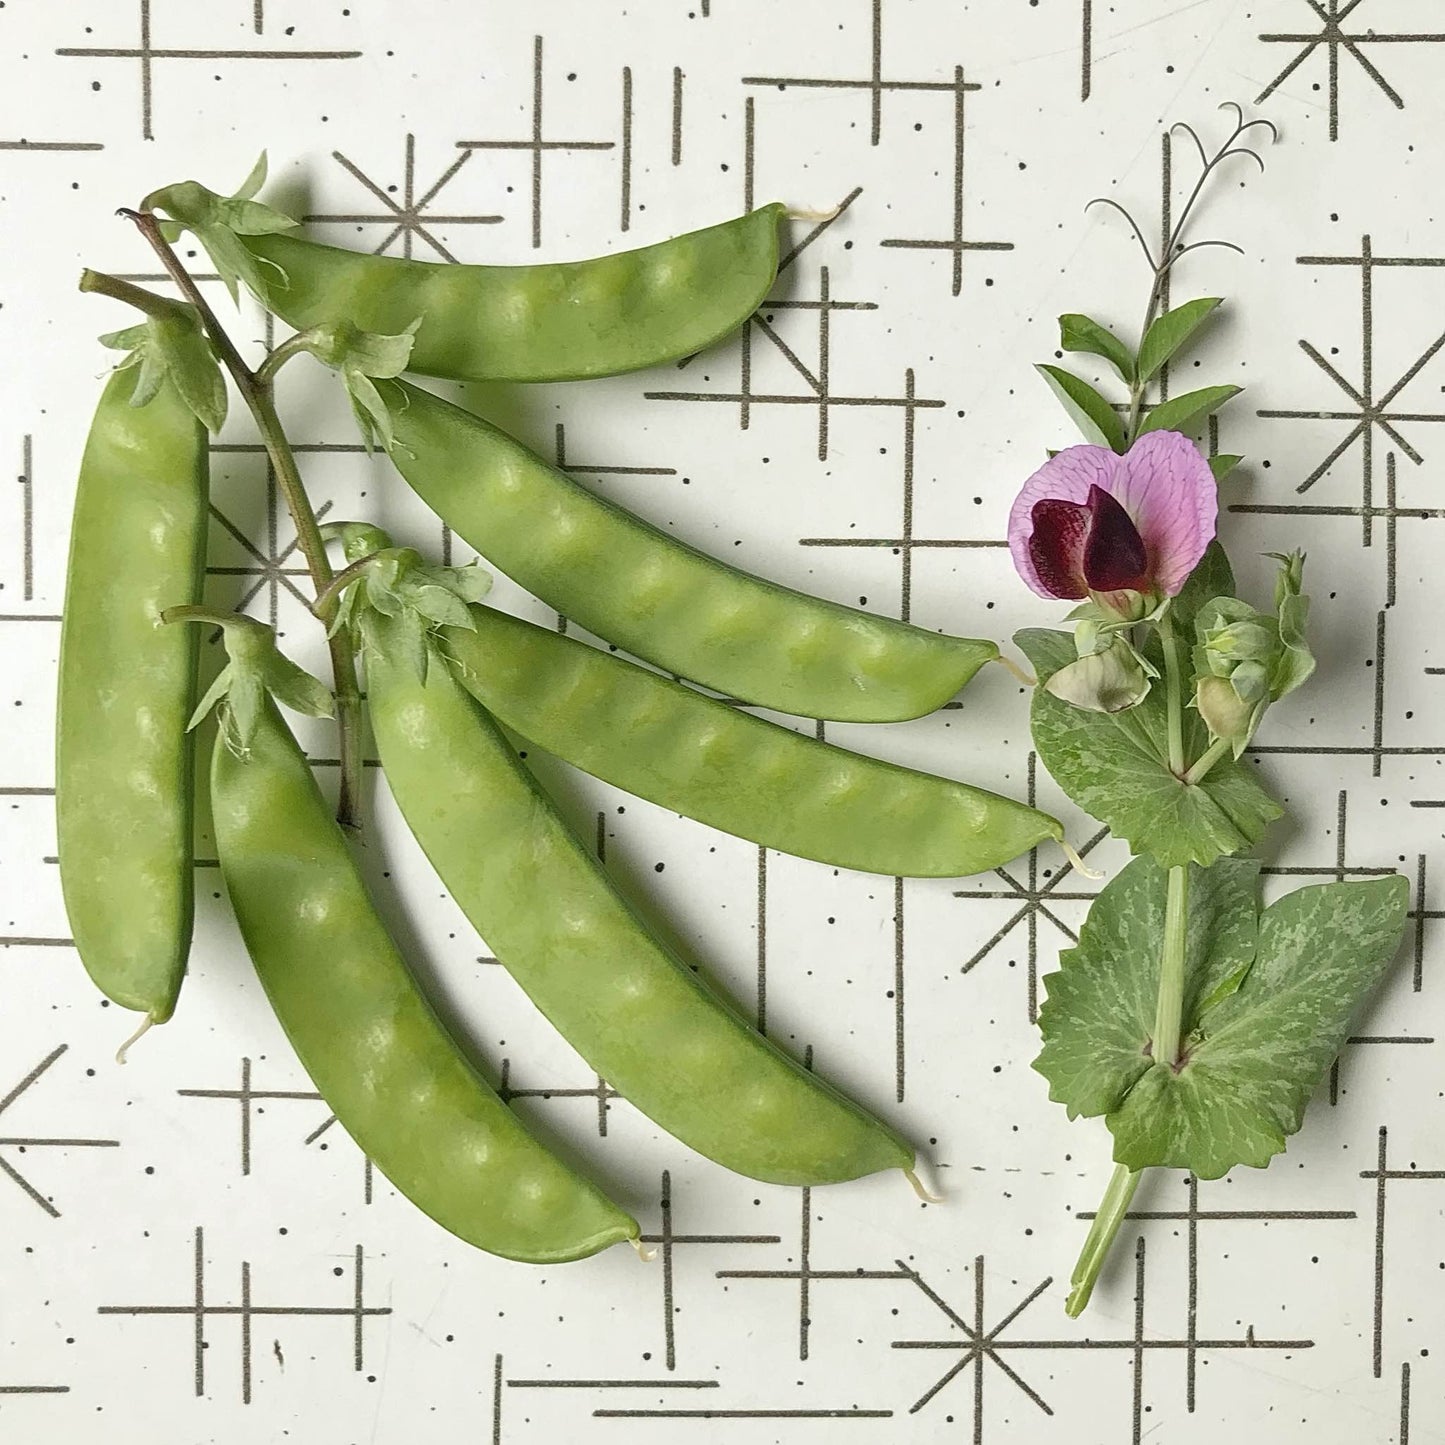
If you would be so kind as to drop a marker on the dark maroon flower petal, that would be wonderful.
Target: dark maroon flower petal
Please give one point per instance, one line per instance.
(1114, 557)
(1056, 546)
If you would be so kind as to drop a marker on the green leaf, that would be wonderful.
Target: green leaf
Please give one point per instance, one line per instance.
(1114, 768)
(255, 179)
(1244, 1085)
(1170, 331)
(1184, 413)
(1223, 465)
(296, 688)
(440, 605)
(1091, 413)
(1098, 1019)
(172, 345)
(1083, 333)
(213, 694)
(373, 418)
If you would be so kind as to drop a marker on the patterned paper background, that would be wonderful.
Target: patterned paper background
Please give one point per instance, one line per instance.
(188, 1253)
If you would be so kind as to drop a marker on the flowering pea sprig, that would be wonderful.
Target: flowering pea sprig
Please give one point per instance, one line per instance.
(1195, 1023)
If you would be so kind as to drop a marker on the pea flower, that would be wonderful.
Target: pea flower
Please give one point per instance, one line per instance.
(1125, 531)
(1119, 534)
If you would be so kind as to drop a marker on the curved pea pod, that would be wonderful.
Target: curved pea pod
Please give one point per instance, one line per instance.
(365, 1033)
(703, 758)
(562, 321)
(123, 785)
(658, 598)
(641, 1016)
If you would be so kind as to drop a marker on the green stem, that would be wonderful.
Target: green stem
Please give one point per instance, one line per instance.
(1169, 1010)
(1107, 1223)
(256, 393)
(1216, 750)
(277, 357)
(99, 284)
(1173, 699)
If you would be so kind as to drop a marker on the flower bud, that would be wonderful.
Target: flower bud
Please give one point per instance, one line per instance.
(1110, 680)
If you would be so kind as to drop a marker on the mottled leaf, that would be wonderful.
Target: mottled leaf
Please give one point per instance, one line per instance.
(1098, 1020)
(1259, 1055)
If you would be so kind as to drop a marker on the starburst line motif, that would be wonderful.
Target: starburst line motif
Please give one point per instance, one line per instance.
(1334, 38)
(408, 218)
(1372, 412)
(978, 1345)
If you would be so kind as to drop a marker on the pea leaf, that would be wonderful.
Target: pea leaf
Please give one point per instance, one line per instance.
(1183, 413)
(1083, 333)
(1170, 331)
(1223, 465)
(1091, 413)
(1099, 1015)
(1252, 1062)
(1113, 766)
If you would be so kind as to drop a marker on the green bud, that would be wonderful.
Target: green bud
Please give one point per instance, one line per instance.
(1227, 715)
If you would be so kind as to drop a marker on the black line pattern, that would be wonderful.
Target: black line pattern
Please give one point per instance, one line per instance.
(147, 55)
(202, 1308)
(1333, 38)
(855, 362)
(22, 1144)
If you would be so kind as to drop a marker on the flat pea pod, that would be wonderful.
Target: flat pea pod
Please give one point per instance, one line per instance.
(123, 784)
(695, 755)
(365, 1033)
(658, 598)
(636, 1012)
(563, 321)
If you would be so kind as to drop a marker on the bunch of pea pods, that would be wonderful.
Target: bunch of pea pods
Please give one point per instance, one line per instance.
(449, 683)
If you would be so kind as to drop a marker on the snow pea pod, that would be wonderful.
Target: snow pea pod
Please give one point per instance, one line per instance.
(658, 598)
(695, 755)
(664, 1038)
(123, 787)
(365, 1033)
(554, 322)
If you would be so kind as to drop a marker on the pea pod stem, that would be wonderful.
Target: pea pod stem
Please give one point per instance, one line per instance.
(100, 284)
(255, 391)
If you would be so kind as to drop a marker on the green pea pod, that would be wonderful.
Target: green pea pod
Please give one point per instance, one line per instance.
(658, 598)
(563, 321)
(123, 783)
(373, 1046)
(639, 1015)
(710, 761)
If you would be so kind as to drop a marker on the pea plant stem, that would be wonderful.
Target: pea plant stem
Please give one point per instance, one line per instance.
(1169, 1003)
(1173, 697)
(1216, 750)
(1107, 1223)
(255, 391)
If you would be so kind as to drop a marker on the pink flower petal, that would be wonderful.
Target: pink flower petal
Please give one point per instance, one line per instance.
(1066, 477)
(1165, 485)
